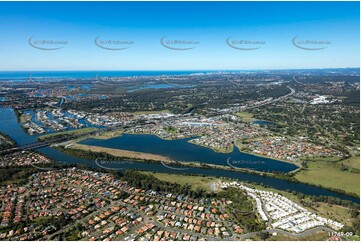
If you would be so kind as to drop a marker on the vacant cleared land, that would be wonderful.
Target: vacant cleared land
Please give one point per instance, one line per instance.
(330, 175)
(108, 134)
(152, 112)
(353, 162)
(205, 183)
(246, 117)
(24, 118)
(334, 212)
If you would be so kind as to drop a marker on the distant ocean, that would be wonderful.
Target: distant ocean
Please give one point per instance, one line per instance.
(24, 75)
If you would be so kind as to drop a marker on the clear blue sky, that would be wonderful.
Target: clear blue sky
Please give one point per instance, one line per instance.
(275, 23)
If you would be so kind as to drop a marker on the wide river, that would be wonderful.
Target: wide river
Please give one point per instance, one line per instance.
(176, 149)
(182, 150)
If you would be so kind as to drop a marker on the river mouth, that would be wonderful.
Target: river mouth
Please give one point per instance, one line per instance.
(10, 126)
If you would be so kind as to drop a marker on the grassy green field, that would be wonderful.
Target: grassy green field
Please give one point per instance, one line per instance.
(108, 134)
(24, 118)
(226, 150)
(69, 132)
(194, 181)
(329, 174)
(337, 213)
(152, 112)
(330, 160)
(353, 162)
(171, 129)
(246, 117)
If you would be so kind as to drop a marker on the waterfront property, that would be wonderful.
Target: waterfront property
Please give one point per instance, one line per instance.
(10, 126)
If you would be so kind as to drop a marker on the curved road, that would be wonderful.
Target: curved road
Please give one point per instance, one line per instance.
(274, 100)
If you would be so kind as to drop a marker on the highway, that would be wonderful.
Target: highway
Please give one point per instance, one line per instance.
(273, 100)
(294, 78)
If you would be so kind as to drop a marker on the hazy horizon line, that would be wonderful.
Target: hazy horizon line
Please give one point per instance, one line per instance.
(213, 70)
